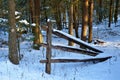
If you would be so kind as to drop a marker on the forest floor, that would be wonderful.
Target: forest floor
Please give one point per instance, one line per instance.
(30, 67)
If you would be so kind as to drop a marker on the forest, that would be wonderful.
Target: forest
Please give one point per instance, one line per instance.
(59, 39)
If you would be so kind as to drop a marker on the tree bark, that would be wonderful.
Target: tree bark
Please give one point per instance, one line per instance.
(13, 52)
(90, 20)
(84, 20)
(110, 13)
(100, 11)
(70, 43)
(75, 18)
(37, 33)
(31, 8)
(64, 18)
(116, 11)
(58, 17)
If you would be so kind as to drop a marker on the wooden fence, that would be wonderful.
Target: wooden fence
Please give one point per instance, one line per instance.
(90, 50)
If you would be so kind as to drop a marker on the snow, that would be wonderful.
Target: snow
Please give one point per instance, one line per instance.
(3, 20)
(17, 13)
(24, 21)
(33, 24)
(17, 17)
(31, 69)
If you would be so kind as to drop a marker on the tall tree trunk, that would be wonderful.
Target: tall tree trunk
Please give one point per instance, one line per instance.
(58, 17)
(116, 11)
(84, 20)
(75, 17)
(31, 8)
(38, 35)
(13, 52)
(71, 22)
(90, 20)
(64, 18)
(45, 12)
(1, 8)
(79, 13)
(100, 11)
(110, 13)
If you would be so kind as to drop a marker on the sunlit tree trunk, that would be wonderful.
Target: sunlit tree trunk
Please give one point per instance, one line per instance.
(84, 20)
(90, 19)
(71, 22)
(37, 32)
(13, 52)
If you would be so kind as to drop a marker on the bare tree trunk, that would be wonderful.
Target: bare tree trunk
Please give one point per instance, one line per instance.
(100, 11)
(1, 8)
(84, 20)
(64, 18)
(71, 23)
(110, 13)
(38, 35)
(116, 11)
(32, 14)
(31, 8)
(45, 12)
(90, 20)
(58, 17)
(75, 17)
(13, 52)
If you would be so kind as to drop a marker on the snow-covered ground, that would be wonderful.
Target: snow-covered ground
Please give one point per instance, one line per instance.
(30, 67)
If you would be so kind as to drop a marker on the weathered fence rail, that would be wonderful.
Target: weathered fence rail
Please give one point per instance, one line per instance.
(94, 60)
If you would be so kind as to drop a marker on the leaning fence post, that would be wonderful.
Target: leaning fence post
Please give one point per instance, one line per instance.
(48, 50)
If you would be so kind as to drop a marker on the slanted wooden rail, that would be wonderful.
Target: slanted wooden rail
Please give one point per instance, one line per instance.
(72, 49)
(75, 40)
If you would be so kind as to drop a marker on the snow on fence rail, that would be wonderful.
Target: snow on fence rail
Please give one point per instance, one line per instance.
(75, 40)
